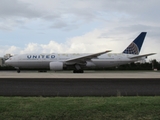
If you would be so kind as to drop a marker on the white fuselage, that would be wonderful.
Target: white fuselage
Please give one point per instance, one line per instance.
(44, 60)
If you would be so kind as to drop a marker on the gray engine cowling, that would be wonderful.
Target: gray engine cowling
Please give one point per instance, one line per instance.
(56, 66)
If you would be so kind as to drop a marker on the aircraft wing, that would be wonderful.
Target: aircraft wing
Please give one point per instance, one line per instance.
(139, 56)
(85, 57)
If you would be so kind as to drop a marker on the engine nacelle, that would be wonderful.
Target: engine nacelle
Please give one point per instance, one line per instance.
(56, 66)
(90, 64)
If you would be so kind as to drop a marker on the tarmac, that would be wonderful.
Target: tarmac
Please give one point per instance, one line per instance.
(90, 83)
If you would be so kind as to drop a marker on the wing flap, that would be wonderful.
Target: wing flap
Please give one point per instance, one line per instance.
(139, 56)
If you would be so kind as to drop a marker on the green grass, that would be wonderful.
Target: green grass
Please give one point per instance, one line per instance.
(79, 108)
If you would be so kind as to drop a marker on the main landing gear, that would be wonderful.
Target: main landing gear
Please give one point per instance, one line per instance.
(78, 69)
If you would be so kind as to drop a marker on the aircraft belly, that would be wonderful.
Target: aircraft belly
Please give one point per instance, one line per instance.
(31, 64)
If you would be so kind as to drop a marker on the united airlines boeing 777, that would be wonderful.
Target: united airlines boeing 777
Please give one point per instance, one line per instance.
(79, 62)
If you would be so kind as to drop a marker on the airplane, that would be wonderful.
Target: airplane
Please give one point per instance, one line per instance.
(79, 62)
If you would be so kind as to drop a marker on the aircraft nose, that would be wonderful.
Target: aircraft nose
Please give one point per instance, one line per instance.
(7, 62)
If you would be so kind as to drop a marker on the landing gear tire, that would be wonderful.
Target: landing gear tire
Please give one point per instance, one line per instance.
(78, 71)
(18, 71)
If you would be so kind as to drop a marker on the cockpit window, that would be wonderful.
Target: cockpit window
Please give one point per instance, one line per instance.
(8, 57)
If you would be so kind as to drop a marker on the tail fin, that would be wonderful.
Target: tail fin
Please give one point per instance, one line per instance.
(135, 46)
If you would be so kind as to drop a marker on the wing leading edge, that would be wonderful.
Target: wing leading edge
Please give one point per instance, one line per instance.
(85, 57)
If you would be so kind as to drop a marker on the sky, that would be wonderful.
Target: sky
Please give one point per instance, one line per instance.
(78, 26)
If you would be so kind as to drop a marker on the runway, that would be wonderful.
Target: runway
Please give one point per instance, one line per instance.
(91, 83)
(86, 74)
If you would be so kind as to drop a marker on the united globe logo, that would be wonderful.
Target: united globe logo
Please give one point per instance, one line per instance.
(132, 49)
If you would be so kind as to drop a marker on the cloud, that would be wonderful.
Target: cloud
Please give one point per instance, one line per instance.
(9, 50)
(14, 13)
(89, 42)
(16, 8)
(92, 25)
(63, 14)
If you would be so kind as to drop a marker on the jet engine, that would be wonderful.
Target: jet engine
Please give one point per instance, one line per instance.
(56, 66)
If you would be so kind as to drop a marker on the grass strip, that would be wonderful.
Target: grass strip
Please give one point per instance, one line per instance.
(80, 108)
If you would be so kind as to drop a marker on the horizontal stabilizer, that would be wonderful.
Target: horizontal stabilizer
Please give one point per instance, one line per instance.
(139, 56)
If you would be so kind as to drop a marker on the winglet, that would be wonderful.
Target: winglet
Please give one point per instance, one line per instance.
(135, 46)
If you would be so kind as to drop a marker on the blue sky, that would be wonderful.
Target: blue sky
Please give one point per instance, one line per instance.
(46, 26)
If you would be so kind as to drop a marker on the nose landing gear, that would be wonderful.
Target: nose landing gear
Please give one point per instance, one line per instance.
(18, 70)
